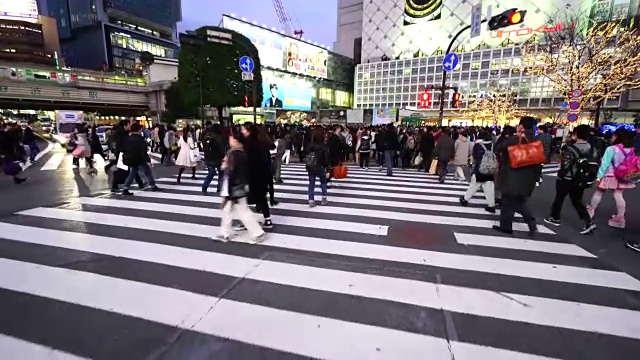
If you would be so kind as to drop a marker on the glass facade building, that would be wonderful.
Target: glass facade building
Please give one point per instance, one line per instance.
(111, 34)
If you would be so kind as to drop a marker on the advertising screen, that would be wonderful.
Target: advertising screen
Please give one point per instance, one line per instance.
(383, 116)
(421, 11)
(269, 44)
(285, 92)
(25, 10)
(302, 58)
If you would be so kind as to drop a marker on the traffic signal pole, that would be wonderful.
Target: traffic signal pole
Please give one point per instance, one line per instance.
(443, 87)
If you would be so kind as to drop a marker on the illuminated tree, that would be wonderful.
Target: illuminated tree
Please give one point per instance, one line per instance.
(602, 59)
(499, 107)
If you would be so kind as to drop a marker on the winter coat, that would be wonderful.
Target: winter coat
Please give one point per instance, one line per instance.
(462, 151)
(518, 182)
(445, 148)
(82, 141)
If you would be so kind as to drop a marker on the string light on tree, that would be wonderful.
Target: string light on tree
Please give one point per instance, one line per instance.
(601, 59)
(498, 108)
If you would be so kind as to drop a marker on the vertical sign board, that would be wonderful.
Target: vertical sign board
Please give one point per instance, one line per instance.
(574, 105)
(476, 20)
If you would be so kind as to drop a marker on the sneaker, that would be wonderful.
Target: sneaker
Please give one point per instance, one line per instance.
(18, 181)
(126, 192)
(591, 211)
(490, 209)
(588, 228)
(633, 246)
(154, 188)
(258, 239)
(312, 203)
(617, 222)
(240, 227)
(267, 224)
(222, 238)
(552, 221)
(324, 201)
(273, 202)
(463, 202)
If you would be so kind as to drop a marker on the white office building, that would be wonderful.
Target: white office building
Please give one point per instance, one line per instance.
(402, 52)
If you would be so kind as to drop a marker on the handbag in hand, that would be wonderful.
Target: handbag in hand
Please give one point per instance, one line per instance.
(526, 153)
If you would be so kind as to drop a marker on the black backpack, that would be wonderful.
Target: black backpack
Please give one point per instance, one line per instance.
(585, 167)
(365, 144)
(213, 149)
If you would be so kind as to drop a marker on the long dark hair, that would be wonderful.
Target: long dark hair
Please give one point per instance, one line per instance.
(317, 136)
(185, 133)
(624, 137)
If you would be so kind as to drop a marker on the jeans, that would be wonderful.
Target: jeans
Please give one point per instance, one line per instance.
(133, 172)
(212, 170)
(388, 160)
(312, 184)
(564, 188)
(442, 169)
(364, 159)
(33, 150)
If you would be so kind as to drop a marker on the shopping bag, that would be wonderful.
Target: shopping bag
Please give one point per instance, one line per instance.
(340, 172)
(418, 160)
(120, 164)
(434, 166)
(526, 153)
(194, 155)
(78, 152)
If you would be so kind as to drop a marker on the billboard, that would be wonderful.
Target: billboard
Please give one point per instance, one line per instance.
(332, 117)
(282, 91)
(25, 10)
(269, 44)
(305, 59)
(383, 116)
(421, 11)
(296, 117)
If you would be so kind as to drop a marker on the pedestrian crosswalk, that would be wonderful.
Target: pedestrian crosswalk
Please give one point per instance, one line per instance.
(61, 160)
(391, 268)
(550, 169)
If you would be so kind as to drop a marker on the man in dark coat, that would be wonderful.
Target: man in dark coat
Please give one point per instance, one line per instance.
(517, 185)
(136, 158)
(391, 147)
(445, 150)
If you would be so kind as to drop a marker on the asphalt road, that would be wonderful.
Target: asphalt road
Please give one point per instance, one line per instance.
(392, 268)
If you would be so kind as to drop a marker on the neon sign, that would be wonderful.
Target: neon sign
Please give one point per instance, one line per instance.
(530, 31)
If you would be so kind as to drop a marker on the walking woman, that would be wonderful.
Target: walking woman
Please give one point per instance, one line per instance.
(462, 152)
(614, 156)
(186, 158)
(316, 163)
(259, 160)
(485, 178)
(83, 147)
(235, 189)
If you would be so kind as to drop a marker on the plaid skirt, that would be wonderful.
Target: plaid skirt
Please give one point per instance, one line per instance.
(611, 183)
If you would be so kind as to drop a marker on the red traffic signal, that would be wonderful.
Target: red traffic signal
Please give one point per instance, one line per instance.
(455, 100)
(424, 100)
(246, 101)
(507, 18)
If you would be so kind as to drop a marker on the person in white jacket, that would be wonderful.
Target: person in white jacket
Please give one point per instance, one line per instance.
(188, 154)
(462, 153)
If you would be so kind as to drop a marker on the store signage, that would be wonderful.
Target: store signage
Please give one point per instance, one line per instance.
(502, 33)
(19, 10)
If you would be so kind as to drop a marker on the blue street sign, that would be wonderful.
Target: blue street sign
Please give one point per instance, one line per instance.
(450, 61)
(246, 64)
(574, 105)
(564, 105)
(572, 117)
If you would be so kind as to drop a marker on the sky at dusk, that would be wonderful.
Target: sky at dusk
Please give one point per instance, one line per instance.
(317, 18)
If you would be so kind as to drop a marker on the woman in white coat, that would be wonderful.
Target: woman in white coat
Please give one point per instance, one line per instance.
(463, 152)
(188, 154)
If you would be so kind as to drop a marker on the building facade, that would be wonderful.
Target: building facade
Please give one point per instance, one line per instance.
(111, 34)
(349, 29)
(297, 75)
(402, 52)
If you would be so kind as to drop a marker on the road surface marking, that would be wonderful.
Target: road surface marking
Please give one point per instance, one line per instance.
(54, 162)
(522, 244)
(13, 349)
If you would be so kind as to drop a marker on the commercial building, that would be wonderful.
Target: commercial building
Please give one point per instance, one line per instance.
(349, 30)
(402, 53)
(25, 36)
(111, 34)
(297, 75)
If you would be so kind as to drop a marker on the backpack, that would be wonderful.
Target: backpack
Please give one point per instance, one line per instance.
(212, 149)
(411, 143)
(312, 161)
(628, 171)
(365, 144)
(488, 163)
(585, 166)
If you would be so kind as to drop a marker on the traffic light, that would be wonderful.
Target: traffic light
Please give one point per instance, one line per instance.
(246, 101)
(507, 18)
(455, 100)
(424, 100)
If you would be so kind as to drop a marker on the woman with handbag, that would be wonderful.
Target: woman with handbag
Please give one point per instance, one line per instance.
(187, 155)
(83, 147)
(235, 190)
(260, 175)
